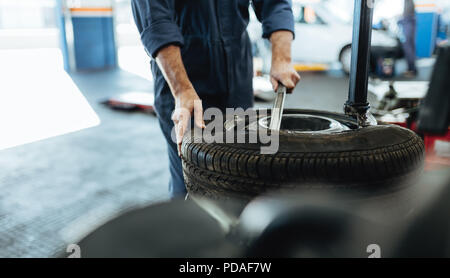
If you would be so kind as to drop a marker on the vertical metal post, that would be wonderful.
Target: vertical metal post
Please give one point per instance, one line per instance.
(61, 23)
(357, 105)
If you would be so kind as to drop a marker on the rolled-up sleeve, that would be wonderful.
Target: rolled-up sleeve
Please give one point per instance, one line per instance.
(275, 15)
(155, 20)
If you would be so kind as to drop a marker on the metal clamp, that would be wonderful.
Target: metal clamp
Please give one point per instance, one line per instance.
(361, 113)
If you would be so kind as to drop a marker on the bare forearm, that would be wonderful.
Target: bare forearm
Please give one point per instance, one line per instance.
(281, 46)
(282, 70)
(186, 98)
(170, 63)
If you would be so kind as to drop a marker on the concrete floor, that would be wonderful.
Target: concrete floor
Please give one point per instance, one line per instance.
(46, 185)
(93, 174)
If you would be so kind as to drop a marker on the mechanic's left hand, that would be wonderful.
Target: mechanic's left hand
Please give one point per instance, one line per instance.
(283, 72)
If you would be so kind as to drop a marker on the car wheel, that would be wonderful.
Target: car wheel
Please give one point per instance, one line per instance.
(314, 147)
(345, 58)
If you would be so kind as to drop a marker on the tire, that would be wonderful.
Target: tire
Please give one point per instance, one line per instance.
(345, 59)
(356, 158)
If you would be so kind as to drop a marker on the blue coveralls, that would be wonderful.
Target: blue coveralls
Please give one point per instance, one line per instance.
(215, 49)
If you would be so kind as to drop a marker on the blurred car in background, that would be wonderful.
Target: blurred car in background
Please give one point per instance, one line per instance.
(322, 36)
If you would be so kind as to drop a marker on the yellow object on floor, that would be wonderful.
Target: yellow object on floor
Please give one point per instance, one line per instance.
(311, 67)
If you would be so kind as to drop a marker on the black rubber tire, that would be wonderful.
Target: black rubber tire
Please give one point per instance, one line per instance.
(350, 159)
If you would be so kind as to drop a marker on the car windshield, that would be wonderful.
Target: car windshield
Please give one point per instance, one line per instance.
(341, 11)
(324, 12)
(336, 13)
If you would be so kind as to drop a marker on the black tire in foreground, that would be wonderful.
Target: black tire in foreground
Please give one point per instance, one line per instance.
(364, 158)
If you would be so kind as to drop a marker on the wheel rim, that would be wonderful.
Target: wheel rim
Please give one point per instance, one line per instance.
(304, 123)
(346, 59)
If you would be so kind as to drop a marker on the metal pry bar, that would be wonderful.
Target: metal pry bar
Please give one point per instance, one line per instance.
(277, 111)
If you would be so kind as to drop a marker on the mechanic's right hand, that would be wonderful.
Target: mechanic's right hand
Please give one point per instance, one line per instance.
(186, 103)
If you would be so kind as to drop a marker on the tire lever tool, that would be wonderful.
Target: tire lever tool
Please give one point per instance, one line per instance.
(277, 111)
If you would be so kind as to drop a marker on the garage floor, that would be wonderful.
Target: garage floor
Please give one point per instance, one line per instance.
(47, 186)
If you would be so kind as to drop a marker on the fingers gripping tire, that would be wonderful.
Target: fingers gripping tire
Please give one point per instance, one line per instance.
(361, 157)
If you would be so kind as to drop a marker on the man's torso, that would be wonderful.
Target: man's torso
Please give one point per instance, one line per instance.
(216, 54)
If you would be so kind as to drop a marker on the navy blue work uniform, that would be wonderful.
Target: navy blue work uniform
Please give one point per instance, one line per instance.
(408, 23)
(215, 49)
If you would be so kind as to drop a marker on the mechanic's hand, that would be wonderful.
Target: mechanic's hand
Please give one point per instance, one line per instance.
(186, 103)
(283, 72)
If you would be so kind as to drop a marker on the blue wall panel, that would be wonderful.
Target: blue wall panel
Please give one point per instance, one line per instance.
(94, 43)
(426, 34)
